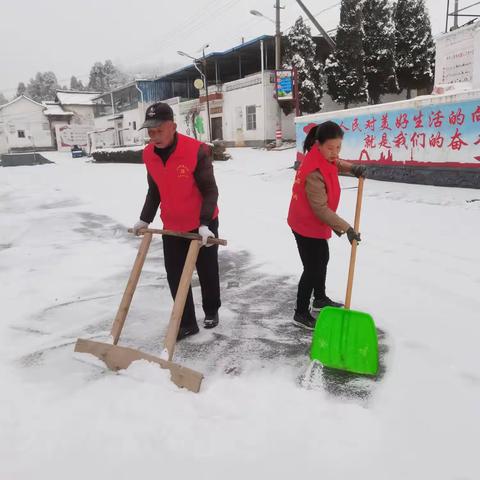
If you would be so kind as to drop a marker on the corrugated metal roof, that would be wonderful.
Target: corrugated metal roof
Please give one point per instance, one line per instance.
(213, 55)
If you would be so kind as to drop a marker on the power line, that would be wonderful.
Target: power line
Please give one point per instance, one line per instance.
(200, 16)
(327, 9)
(199, 19)
(191, 26)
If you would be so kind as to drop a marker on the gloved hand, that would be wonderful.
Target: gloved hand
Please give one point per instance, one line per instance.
(205, 232)
(359, 171)
(139, 225)
(353, 235)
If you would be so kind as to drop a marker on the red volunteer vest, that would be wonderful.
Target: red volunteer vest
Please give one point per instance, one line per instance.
(301, 217)
(180, 198)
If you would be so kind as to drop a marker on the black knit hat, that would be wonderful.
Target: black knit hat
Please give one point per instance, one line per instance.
(156, 114)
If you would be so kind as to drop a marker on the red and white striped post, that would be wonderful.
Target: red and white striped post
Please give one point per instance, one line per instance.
(278, 135)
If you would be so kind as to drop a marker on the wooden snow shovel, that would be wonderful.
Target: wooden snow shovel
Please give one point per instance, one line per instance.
(347, 339)
(117, 357)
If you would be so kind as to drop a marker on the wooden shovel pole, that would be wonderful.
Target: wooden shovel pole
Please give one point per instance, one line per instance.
(130, 288)
(181, 298)
(187, 235)
(353, 254)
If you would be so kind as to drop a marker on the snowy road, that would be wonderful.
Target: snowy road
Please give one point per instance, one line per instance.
(64, 261)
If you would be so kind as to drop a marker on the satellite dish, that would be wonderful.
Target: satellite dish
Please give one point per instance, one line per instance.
(198, 83)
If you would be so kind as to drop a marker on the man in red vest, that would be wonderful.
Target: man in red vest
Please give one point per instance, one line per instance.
(181, 181)
(312, 217)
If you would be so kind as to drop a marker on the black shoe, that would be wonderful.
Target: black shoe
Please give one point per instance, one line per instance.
(304, 320)
(211, 321)
(184, 332)
(319, 303)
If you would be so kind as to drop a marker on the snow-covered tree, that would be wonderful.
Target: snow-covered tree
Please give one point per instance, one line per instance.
(97, 80)
(345, 66)
(76, 84)
(415, 49)
(42, 87)
(115, 77)
(379, 47)
(3, 100)
(21, 89)
(105, 77)
(300, 52)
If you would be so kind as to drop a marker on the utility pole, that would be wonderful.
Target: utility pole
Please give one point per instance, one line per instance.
(116, 136)
(209, 126)
(446, 16)
(324, 34)
(296, 92)
(278, 36)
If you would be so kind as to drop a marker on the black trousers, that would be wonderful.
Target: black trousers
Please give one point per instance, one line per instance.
(315, 254)
(175, 251)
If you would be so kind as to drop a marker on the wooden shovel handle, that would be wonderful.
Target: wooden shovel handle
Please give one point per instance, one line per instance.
(353, 254)
(187, 235)
(130, 288)
(181, 298)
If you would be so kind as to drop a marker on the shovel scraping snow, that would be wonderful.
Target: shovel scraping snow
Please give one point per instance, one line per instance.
(117, 357)
(347, 339)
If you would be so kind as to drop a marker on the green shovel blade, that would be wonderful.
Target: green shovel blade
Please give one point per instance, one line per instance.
(346, 340)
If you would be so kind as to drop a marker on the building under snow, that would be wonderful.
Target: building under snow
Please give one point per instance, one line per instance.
(23, 126)
(241, 97)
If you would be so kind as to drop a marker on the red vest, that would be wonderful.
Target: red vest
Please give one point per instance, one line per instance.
(180, 198)
(301, 217)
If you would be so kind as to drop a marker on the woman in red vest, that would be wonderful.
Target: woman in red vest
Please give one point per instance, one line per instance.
(181, 181)
(312, 217)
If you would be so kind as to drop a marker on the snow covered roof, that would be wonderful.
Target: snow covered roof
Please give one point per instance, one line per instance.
(73, 97)
(19, 98)
(55, 109)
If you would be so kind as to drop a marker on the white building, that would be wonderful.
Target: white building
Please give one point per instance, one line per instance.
(58, 118)
(24, 127)
(241, 97)
(118, 114)
(71, 118)
(242, 112)
(79, 103)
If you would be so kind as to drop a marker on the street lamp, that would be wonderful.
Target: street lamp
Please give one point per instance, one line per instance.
(278, 133)
(260, 14)
(205, 81)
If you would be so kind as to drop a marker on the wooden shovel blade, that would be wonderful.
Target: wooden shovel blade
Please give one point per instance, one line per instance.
(119, 358)
(346, 340)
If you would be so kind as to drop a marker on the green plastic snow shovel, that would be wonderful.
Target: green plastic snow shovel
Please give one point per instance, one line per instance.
(346, 339)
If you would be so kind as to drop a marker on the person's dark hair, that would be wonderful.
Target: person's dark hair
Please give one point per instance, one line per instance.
(322, 132)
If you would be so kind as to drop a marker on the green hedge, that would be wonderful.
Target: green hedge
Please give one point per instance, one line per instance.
(122, 156)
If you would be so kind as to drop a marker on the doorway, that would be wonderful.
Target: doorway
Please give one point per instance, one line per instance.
(217, 129)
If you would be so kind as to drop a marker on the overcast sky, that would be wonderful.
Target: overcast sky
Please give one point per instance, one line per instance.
(68, 37)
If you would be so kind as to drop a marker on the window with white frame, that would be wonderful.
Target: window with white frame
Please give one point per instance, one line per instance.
(21, 133)
(251, 117)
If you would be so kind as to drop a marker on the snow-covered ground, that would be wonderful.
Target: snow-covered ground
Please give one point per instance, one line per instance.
(65, 257)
